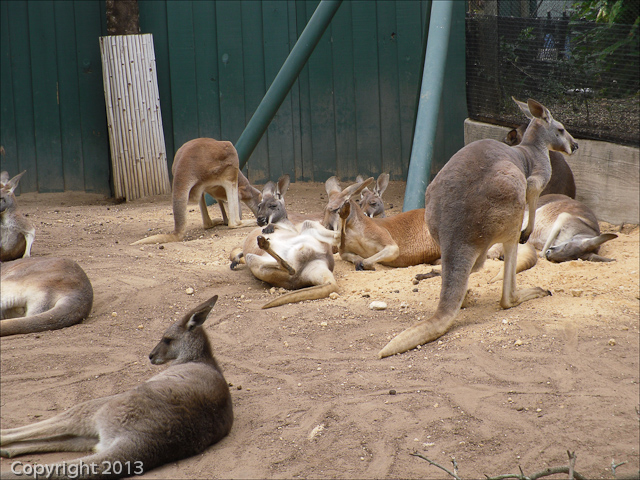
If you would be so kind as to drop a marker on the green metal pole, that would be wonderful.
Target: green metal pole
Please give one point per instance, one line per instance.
(429, 105)
(285, 79)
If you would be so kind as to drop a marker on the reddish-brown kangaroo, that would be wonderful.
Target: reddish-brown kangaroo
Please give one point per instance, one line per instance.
(16, 232)
(478, 199)
(205, 165)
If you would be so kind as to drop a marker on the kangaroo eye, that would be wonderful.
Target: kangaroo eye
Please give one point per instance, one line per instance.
(561, 131)
(166, 341)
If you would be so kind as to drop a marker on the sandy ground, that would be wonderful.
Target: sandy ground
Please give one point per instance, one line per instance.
(503, 389)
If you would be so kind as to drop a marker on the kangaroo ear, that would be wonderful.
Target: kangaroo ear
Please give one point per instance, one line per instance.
(381, 184)
(524, 107)
(332, 185)
(511, 138)
(283, 184)
(356, 188)
(593, 243)
(269, 189)
(539, 111)
(13, 183)
(198, 315)
(4, 178)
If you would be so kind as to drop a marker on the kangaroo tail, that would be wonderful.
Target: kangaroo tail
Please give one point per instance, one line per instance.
(67, 311)
(310, 293)
(527, 258)
(160, 238)
(455, 277)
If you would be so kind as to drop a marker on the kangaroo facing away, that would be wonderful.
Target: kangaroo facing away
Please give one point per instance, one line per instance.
(43, 293)
(397, 241)
(16, 232)
(561, 180)
(371, 200)
(205, 165)
(296, 257)
(173, 415)
(478, 199)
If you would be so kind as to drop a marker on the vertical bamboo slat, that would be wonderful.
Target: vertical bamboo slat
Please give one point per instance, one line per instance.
(136, 138)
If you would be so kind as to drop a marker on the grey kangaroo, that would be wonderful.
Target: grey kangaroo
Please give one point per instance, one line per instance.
(205, 165)
(561, 180)
(16, 232)
(478, 199)
(175, 414)
(43, 293)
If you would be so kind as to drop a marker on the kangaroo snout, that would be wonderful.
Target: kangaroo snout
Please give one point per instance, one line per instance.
(574, 146)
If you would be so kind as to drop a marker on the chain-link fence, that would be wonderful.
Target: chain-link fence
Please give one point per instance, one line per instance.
(578, 58)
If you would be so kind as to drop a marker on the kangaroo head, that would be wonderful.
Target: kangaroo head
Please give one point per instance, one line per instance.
(185, 341)
(371, 201)
(585, 248)
(337, 198)
(7, 187)
(543, 128)
(271, 208)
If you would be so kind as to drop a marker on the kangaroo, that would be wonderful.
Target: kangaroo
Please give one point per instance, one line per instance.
(565, 230)
(398, 241)
(205, 165)
(16, 232)
(292, 256)
(478, 199)
(173, 415)
(371, 201)
(43, 293)
(561, 180)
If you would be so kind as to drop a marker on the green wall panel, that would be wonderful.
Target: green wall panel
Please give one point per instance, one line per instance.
(351, 111)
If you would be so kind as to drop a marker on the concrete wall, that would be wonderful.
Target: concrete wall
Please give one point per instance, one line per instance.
(607, 175)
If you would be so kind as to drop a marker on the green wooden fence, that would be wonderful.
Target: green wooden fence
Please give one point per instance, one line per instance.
(351, 111)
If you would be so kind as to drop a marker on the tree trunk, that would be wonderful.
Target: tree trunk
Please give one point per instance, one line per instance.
(123, 17)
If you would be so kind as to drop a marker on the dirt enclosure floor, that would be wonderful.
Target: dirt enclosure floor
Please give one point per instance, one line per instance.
(503, 389)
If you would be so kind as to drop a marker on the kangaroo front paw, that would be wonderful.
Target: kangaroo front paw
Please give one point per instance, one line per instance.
(263, 242)
(359, 266)
(524, 236)
(268, 229)
(345, 210)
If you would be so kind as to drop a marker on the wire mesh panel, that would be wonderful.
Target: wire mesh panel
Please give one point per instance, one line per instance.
(580, 59)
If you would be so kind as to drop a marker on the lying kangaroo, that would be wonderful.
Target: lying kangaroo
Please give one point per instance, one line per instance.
(173, 415)
(398, 241)
(478, 199)
(43, 293)
(205, 165)
(371, 201)
(16, 232)
(561, 180)
(287, 255)
(565, 230)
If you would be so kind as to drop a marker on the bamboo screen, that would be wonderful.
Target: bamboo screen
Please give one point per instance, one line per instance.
(138, 153)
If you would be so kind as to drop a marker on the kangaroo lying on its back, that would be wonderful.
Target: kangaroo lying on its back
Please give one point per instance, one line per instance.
(295, 257)
(478, 199)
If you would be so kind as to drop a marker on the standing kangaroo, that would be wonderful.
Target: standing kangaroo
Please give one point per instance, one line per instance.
(42, 293)
(398, 241)
(205, 165)
(16, 232)
(561, 180)
(371, 200)
(478, 199)
(296, 257)
(173, 415)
